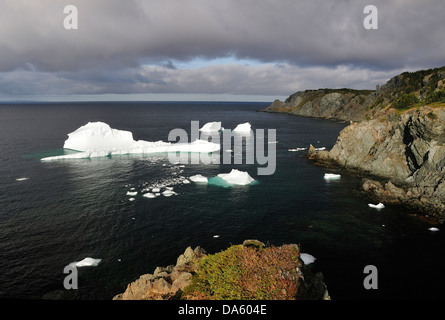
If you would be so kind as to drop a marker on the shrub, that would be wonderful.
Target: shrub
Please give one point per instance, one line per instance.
(405, 101)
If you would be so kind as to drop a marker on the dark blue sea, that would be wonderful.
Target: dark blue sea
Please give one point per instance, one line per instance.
(68, 210)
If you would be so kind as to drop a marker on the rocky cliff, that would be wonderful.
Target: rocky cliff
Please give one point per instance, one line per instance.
(406, 151)
(400, 92)
(243, 272)
(397, 135)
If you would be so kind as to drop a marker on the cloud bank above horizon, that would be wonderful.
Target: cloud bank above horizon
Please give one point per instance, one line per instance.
(169, 48)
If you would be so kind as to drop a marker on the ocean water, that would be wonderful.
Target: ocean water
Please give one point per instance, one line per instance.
(69, 210)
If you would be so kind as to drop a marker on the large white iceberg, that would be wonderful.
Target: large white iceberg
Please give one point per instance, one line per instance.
(211, 127)
(243, 128)
(237, 177)
(98, 139)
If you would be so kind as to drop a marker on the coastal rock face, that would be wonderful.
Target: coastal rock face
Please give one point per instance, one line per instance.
(340, 104)
(165, 283)
(169, 283)
(407, 149)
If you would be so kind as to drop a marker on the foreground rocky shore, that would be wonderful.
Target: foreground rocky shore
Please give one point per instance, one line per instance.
(243, 272)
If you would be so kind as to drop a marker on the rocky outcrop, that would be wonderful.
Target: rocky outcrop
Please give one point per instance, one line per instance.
(169, 283)
(406, 149)
(339, 104)
(166, 282)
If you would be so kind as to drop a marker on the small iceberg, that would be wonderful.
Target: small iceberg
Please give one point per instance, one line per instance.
(198, 178)
(376, 206)
(237, 177)
(211, 127)
(149, 195)
(243, 128)
(87, 262)
(98, 139)
(297, 149)
(307, 258)
(132, 193)
(320, 149)
(21, 179)
(332, 176)
(433, 229)
(168, 193)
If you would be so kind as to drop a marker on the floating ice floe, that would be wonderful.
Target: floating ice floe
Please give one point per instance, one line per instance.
(307, 258)
(131, 199)
(434, 229)
(98, 139)
(332, 176)
(132, 193)
(243, 128)
(168, 193)
(87, 262)
(185, 181)
(21, 179)
(211, 127)
(237, 177)
(376, 206)
(149, 195)
(216, 236)
(198, 178)
(320, 149)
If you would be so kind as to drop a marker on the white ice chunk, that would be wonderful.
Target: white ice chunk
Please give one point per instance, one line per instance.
(98, 139)
(21, 179)
(433, 229)
(376, 206)
(198, 178)
(156, 190)
(131, 199)
(185, 181)
(211, 127)
(296, 149)
(243, 128)
(149, 195)
(132, 194)
(237, 177)
(332, 176)
(87, 262)
(320, 149)
(307, 258)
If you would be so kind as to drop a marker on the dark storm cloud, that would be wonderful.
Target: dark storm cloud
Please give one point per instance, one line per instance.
(131, 46)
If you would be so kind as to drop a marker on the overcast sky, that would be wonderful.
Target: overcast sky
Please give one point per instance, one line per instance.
(255, 50)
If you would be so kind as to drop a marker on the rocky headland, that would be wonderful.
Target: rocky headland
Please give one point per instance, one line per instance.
(249, 271)
(396, 138)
